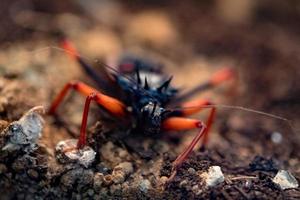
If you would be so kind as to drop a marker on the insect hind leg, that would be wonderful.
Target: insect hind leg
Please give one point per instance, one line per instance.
(195, 106)
(179, 124)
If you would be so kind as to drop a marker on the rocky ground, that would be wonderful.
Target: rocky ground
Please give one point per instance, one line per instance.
(192, 40)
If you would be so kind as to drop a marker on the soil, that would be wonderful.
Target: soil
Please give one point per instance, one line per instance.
(192, 40)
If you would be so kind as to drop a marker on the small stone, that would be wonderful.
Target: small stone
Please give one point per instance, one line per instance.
(3, 168)
(115, 188)
(98, 180)
(67, 180)
(107, 180)
(90, 192)
(67, 152)
(183, 183)
(285, 180)
(164, 179)
(125, 186)
(214, 176)
(121, 171)
(196, 189)
(191, 170)
(24, 133)
(144, 185)
(85, 177)
(123, 154)
(32, 174)
(276, 137)
(248, 184)
(126, 167)
(118, 177)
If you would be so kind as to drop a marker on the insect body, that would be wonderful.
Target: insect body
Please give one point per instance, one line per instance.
(147, 99)
(140, 92)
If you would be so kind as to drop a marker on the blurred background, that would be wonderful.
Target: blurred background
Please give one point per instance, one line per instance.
(259, 38)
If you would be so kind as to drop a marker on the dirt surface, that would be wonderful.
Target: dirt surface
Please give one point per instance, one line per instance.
(192, 40)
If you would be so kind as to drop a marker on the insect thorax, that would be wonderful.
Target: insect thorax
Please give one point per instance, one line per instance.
(147, 94)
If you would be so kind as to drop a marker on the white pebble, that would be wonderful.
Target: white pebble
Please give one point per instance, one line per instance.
(214, 176)
(145, 185)
(84, 157)
(276, 137)
(25, 132)
(285, 180)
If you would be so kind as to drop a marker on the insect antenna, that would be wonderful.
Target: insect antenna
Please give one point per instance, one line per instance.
(112, 69)
(289, 122)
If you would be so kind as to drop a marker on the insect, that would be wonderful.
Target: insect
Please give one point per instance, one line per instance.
(142, 94)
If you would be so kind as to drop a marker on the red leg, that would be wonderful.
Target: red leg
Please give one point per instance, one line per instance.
(180, 123)
(195, 106)
(112, 105)
(217, 78)
(222, 76)
(82, 138)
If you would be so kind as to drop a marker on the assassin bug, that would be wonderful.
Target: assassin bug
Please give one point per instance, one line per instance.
(146, 95)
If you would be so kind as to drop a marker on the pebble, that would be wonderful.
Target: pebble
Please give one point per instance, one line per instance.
(118, 177)
(87, 177)
(108, 179)
(164, 179)
(126, 167)
(116, 188)
(183, 183)
(90, 192)
(121, 171)
(98, 180)
(191, 170)
(196, 189)
(123, 154)
(84, 157)
(214, 176)
(248, 184)
(276, 137)
(3, 168)
(285, 180)
(32, 174)
(24, 133)
(79, 176)
(67, 180)
(144, 185)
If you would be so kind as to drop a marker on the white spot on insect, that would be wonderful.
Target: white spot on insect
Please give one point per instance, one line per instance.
(153, 79)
